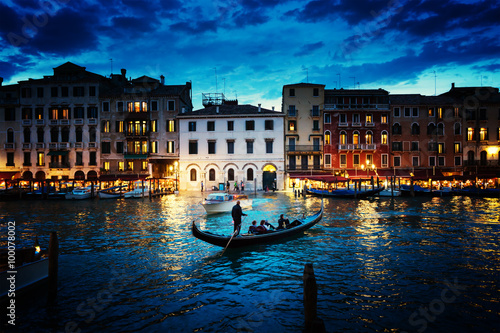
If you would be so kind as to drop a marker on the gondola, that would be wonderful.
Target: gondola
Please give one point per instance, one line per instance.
(249, 239)
(345, 193)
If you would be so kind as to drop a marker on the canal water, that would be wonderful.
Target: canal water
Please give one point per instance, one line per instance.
(381, 265)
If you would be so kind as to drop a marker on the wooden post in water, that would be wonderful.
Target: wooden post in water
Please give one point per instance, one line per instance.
(53, 266)
(412, 189)
(150, 189)
(312, 322)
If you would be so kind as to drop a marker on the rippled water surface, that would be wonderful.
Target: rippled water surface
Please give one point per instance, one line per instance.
(381, 265)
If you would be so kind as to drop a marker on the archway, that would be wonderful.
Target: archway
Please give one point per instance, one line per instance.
(79, 175)
(40, 175)
(92, 175)
(269, 177)
(27, 175)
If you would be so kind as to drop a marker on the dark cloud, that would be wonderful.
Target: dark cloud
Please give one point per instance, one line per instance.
(244, 18)
(13, 65)
(10, 22)
(195, 28)
(309, 48)
(134, 24)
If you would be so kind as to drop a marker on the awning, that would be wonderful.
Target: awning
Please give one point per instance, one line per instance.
(136, 156)
(7, 175)
(57, 153)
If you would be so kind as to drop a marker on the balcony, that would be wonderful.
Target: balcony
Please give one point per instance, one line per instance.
(39, 122)
(53, 122)
(53, 145)
(26, 145)
(26, 122)
(369, 124)
(40, 145)
(303, 148)
(356, 106)
(299, 167)
(64, 145)
(64, 121)
(78, 121)
(10, 145)
(59, 165)
(92, 121)
(357, 147)
(79, 145)
(92, 144)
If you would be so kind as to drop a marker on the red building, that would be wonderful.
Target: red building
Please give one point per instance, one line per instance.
(356, 131)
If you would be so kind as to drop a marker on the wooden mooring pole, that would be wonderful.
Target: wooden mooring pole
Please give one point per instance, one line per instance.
(53, 266)
(312, 322)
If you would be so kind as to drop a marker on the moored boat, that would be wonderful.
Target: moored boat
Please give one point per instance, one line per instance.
(252, 239)
(223, 202)
(140, 190)
(345, 193)
(81, 193)
(114, 192)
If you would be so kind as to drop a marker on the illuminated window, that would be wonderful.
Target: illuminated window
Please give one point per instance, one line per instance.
(292, 125)
(130, 106)
(355, 138)
(40, 159)
(144, 106)
(327, 137)
(105, 126)
(121, 166)
(440, 113)
(170, 125)
(65, 114)
(137, 106)
(470, 134)
(137, 147)
(106, 166)
(144, 147)
(154, 147)
(170, 147)
(154, 126)
(119, 126)
(440, 148)
(144, 165)
(384, 119)
(369, 118)
(130, 165)
(343, 138)
(369, 138)
(431, 112)
(53, 113)
(384, 138)
(458, 147)
(483, 134)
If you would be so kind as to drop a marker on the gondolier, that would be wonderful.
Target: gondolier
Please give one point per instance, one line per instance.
(237, 213)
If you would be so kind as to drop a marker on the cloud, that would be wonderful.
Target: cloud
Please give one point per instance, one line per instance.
(309, 48)
(195, 28)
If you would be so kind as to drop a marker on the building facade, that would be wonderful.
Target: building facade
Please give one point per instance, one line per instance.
(235, 144)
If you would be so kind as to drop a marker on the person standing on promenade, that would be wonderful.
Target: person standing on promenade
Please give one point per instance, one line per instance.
(237, 213)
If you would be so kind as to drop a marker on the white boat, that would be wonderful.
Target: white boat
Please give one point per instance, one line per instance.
(387, 192)
(80, 193)
(140, 190)
(224, 202)
(32, 270)
(114, 192)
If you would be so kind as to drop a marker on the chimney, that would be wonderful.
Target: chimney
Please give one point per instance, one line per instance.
(273, 108)
(259, 107)
(124, 72)
(453, 85)
(162, 79)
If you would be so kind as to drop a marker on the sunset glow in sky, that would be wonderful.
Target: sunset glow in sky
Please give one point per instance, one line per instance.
(249, 49)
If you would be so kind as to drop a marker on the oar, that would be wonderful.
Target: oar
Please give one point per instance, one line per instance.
(234, 233)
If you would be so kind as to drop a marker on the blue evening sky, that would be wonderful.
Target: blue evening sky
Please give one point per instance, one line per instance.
(249, 49)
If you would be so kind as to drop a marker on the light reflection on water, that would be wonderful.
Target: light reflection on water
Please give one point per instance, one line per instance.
(376, 261)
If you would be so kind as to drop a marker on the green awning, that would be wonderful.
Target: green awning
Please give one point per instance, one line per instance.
(58, 153)
(136, 156)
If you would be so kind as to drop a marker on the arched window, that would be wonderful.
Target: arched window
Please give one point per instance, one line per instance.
(384, 139)
(415, 129)
(470, 158)
(484, 157)
(211, 175)
(192, 175)
(440, 129)
(230, 174)
(396, 128)
(431, 129)
(369, 137)
(355, 138)
(27, 135)
(327, 137)
(458, 128)
(10, 135)
(250, 175)
(343, 138)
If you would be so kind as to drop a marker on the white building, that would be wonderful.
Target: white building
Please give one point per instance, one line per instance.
(231, 143)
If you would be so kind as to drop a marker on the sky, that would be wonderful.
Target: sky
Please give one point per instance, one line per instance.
(249, 49)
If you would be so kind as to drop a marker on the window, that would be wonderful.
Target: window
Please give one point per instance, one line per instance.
(154, 127)
(192, 175)
(130, 166)
(315, 111)
(27, 158)
(211, 175)
(327, 137)
(92, 91)
(407, 112)
(230, 146)
(384, 119)
(470, 134)
(355, 119)
(397, 112)
(385, 160)
(92, 112)
(144, 165)
(483, 134)
(328, 118)
(328, 160)
(230, 125)
(415, 161)
(470, 114)
(397, 161)
(315, 125)
(431, 112)
(415, 146)
(105, 126)
(121, 166)
(343, 160)
(441, 161)
(106, 166)
(230, 175)
(343, 138)
(440, 113)
(106, 147)
(39, 92)
(292, 125)
(154, 147)
(384, 139)
(458, 147)
(396, 129)
(210, 126)
(119, 147)
(171, 147)
(154, 105)
(355, 160)
(64, 92)
(211, 147)
(343, 118)
(458, 160)
(26, 92)
(269, 146)
(79, 134)
(10, 159)
(78, 91)
(249, 146)
(193, 147)
(369, 118)
(171, 106)
(414, 112)
(78, 112)
(39, 113)
(415, 129)
(269, 125)
(192, 126)
(397, 146)
(53, 91)
(250, 174)
(292, 112)
(27, 135)
(315, 92)
(119, 106)
(105, 106)
(10, 135)
(440, 129)
(250, 125)
(171, 126)
(292, 92)
(369, 138)
(40, 159)
(457, 128)
(93, 158)
(119, 127)
(431, 129)
(10, 114)
(54, 134)
(355, 138)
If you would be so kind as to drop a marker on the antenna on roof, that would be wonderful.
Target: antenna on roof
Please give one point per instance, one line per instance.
(224, 80)
(434, 83)
(215, 69)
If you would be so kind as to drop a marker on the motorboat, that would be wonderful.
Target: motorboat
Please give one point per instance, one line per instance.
(222, 202)
(81, 193)
(114, 192)
(344, 193)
